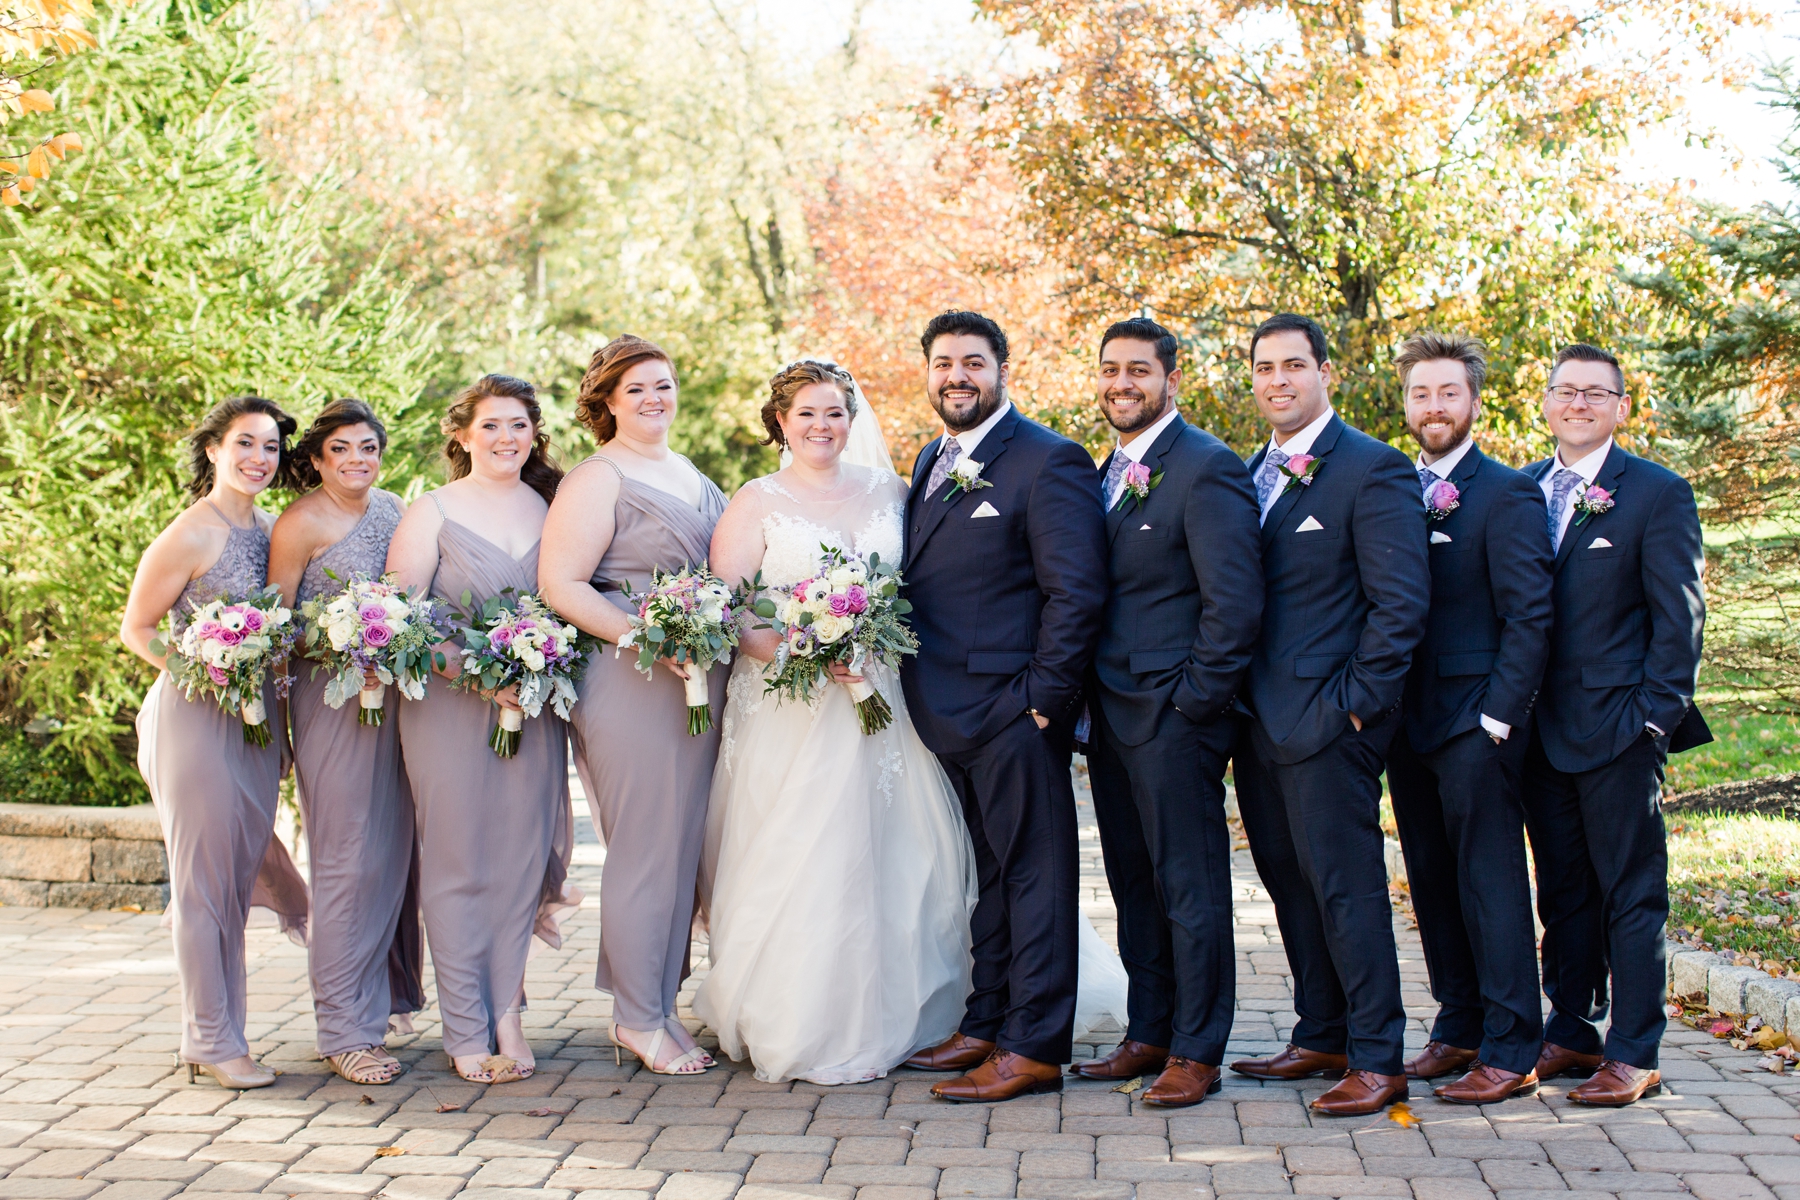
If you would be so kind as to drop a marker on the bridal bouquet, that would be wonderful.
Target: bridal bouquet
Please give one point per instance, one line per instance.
(686, 616)
(849, 613)
(228, 649)
(518, 639)
(373, 626)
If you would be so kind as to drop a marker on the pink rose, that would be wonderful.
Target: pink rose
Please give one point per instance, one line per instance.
(208, 630)
(1137, 475)
(1297, 465)
(502, 636)
(228, 637)
(1596, 494)
(524, 623)
(370, 613)
(377, 635)
(839, 604)
(253, 620)
(858, 597)
(215, 674)
(1443, 495)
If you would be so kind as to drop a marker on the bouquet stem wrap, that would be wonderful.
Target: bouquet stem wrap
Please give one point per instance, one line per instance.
(699, 700)
(256, 723)
(371, 702)
(873, 712)
(507, 732)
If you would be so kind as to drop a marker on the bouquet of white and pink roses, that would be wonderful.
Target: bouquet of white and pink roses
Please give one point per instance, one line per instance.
(848, 613)
(513, 639)
(373, 626)
(228, 649)
(687, 616)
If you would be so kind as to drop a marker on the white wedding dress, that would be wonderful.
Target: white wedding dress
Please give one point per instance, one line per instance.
(838, 875)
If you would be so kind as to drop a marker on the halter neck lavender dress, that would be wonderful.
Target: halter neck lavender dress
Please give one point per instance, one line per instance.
(215, 795)
(495, 834)
(365, 955)
(647, 781)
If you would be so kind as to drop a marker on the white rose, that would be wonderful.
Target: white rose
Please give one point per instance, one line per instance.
(830, 628)
(396, 607)
(531, 658)
(841, 577)
(966, 471)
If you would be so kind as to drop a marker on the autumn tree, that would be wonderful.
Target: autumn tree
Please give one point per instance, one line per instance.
(1429, 163)
(34, 33)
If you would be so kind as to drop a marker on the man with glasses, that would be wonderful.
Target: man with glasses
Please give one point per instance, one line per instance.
(1616, 700)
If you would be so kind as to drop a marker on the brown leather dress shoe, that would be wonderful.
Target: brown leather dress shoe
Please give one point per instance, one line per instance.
(1128, 1059)
(1554, 1060)
(1293, 1063)
(1487, 1085)
(1615, 1085)
(1361, 1093)
(958, 1054)
(1439, 1058)
(1001, 1077)
(1183, 1083)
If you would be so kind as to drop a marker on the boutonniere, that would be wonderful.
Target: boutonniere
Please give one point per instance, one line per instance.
(1300, 470)
(965, 476)
(1592, 503)
(1441, 499)
(1139, 483)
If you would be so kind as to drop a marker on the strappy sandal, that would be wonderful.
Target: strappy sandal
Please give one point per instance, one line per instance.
(686, 1064)
(502, 1069)
(481, 1074)
(698, 1053)
(363, 1067)
(519, 1070)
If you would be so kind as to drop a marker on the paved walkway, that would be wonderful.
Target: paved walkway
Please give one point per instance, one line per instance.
(90, 1107)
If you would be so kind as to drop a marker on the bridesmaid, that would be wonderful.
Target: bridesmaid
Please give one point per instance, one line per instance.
(366, 948)
(493, 833)
(214, 792)
(634, 506)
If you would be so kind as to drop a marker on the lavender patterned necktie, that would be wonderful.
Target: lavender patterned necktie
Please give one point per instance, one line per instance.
(1269, 474)
(1427, 477)
(1561, 484)
(948, 453)
(1115, 471)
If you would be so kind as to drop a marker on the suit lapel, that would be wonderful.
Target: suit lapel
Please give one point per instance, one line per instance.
(936, 508)
(1608, 478)
(1466, 469)
(1290, 495)
(1152, 460)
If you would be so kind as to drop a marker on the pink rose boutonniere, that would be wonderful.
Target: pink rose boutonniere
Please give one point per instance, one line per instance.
(1591, 503)
(1300, 470)
(1138, 484)
(1441, 499)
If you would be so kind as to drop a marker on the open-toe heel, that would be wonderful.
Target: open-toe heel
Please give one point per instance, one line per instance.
(515, 1069)
(479, 1073)
(682, 1065)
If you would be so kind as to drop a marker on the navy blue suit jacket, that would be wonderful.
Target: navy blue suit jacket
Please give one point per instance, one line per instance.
(1187, 587)
(1488, 632)
(1346, 600)
(1006, 607)
(1630, 615)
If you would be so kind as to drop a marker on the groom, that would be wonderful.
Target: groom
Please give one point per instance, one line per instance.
(1006, 571)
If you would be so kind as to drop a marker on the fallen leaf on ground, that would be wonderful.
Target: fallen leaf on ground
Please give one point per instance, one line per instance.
(365, 1100)
(449, 1108)
(1721, 1028)
(1401, 1114)
(389, 1151)
(1773, 1063)
(543, 1112)
(1131, 1085)
(1769, 1038)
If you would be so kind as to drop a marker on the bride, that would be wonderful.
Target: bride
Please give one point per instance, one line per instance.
(839, 870)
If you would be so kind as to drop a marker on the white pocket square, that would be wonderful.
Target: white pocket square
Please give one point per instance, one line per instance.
(985, 510)
(1308, 525)
(1143, 527)
(1599, 544)
(1438, 536)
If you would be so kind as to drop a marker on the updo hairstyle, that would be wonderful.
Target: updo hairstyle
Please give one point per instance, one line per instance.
(540, 472)
(337, 415)
(211, 432)
(788, 383)
(605, 370)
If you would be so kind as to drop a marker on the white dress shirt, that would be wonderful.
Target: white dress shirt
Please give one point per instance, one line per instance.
(1442, 468)
(971, 438)
(1588, 468)
(1138, 447)
(1300, 443)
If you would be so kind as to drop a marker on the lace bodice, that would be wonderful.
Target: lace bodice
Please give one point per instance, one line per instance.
(241, 568)
(795, 530)
(362, 551)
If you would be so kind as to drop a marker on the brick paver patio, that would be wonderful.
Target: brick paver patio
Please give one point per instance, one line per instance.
(91, 1107)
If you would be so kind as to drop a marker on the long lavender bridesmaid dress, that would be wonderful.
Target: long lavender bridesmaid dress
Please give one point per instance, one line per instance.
(365, 955)
(215, 795)
(494, 833)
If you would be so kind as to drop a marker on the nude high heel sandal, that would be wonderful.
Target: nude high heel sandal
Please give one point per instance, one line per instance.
(686, 1064)
(259, 1078)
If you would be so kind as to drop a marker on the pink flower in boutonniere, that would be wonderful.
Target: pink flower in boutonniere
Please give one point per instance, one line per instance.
(1138, 484)
(1441, 499)
(1591, 503)
(1300, 470)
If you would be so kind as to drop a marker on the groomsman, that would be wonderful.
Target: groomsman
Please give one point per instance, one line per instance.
(1617, 700)
(1343, 554)
(1187, 592)
(1454, 768)
(1006, 571)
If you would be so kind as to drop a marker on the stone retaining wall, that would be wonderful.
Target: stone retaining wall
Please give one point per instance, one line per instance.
(1736, 991)
(68, 857)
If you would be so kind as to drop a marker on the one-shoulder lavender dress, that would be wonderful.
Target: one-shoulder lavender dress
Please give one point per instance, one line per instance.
(647, 781)
(215, 795)
(365, 955)
(495, 833)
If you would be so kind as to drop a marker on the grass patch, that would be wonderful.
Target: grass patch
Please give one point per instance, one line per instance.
(1734, 887)
(1749, 746)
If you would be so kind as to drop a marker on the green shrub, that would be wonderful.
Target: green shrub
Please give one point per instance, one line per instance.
(34, 770)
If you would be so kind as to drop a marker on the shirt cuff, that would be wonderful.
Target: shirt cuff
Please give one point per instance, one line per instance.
(1654, 728)
(1499, 729)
